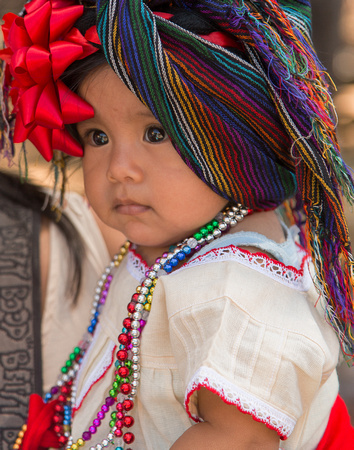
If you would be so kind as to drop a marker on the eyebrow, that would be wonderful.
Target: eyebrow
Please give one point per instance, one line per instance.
(146, 114)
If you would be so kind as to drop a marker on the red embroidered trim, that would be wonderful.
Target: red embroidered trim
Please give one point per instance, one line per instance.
(238, 405)
(96, 381)
(269, 261)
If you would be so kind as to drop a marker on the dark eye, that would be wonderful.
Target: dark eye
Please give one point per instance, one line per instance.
(155, 134)
(99, 137)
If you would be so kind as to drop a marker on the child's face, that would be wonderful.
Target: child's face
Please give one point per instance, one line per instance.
(134, 178)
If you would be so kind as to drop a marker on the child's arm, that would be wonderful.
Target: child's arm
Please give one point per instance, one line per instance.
(225, 427)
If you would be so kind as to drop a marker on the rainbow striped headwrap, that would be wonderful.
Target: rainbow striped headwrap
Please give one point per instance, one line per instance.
(250, 114)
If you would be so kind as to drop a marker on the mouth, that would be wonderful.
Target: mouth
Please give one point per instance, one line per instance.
(130, 208)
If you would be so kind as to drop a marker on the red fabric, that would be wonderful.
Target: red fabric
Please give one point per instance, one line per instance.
(39, 434)
(339, 434)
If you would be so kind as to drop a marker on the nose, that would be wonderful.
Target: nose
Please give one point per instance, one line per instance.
(123, 165)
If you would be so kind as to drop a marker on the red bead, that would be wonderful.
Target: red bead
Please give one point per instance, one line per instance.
(131, 307)
(127, 323)
(119, 407)
(57, 419)
(128, 438)
(123, 371)
(128, 405)
(62, 398)
(125, 388)
(59, 408)
(118, 432)
(123, 339)
(119, 424)
(62, 440)
(120, 416)
(128, 421)
(65, 390)
(135, 297)
(122, 355)
(58, 429)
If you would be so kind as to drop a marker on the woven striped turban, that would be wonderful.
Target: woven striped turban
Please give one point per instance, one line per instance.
(248, 110)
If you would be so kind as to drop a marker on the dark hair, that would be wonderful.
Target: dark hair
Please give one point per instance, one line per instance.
(34, 198)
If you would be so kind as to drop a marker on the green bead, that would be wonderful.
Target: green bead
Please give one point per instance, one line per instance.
(64, 369)
(204, 231)
(215, 223)
(115, 385)
(72, 356)
(118, 378)
(128, 363)
(198, 236)
(114, 415)
(77, 350)
(112, 423)
(210, 228)
(113, 393)
(68, 363)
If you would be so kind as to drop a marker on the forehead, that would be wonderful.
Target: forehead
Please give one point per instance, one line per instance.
(103, 90)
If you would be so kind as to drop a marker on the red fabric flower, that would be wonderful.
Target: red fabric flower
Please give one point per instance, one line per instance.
(39, 47)
(39, 434)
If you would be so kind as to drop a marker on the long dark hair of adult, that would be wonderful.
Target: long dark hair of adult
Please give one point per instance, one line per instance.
(32, 197)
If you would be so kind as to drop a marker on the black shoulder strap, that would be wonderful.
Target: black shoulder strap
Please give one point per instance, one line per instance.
(20, 317)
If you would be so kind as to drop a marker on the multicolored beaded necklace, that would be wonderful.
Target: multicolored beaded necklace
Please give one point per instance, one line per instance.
(127, 373)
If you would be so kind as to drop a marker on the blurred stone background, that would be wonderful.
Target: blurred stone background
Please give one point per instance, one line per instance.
(333, 35)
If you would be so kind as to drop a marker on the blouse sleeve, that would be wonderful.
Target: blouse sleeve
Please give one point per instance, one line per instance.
(257, 343)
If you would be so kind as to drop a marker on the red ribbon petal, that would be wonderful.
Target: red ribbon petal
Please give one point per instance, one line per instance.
(92, 35)
(39, 34)
(8, 19)
(18, 36)
(63, 141)
(74, 108)
(76, 37)
(34, 5)
(6, 55)
(21, 132)
(63, 54)
(48, 112)
(63, 19)
(27, 105)
(41, 138)
(19, 68)
(39, 65)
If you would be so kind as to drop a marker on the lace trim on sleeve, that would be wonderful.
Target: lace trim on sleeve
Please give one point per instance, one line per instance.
(233, 395)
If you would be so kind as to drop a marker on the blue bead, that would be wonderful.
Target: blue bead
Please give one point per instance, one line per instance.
(66, 422)
(167, 268)
(181, 256)
(174, 262)
(186, 249)
(93, 322)
(90, 329)
(119, 448)
(117, 363)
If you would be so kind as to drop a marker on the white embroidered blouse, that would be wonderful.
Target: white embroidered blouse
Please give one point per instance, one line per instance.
(245, 326)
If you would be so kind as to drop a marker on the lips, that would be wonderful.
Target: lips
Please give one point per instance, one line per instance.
(129, 207)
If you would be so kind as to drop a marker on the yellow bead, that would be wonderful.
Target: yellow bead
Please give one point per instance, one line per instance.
(24, 427)
(80, 442)
(15, 447)
(149, 298)
(21, 434)
(138, 289)
(74, 447)
(18, 441)
(116, 263)
(127, 244)
(119, 258)
(154, 281)
(147, 306)
(123, 251)
(152, 290)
